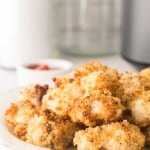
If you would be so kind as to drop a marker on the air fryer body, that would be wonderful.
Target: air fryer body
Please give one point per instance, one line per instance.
(136, 31)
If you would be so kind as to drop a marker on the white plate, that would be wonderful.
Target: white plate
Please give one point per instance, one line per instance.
(8, 140)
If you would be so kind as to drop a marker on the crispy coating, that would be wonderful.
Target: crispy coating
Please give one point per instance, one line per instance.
(95, 109)
(92, 72)
(43, 128)
(136, 98)
(34, 93)
(52, 131)
(100, 81)
(140, 109)
(18, 116)
(131, 85)
(62, 80)
(145, 77)
(88, 68)
(78, 73)
(114, 136)
(90, 96)
(90, 78)
(57, 99)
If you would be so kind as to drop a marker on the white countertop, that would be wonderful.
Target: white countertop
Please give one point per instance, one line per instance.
(8, 78)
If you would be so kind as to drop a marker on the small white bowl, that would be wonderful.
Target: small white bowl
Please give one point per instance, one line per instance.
(32, 76)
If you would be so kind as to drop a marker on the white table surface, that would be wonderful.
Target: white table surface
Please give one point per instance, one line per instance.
(8, 78)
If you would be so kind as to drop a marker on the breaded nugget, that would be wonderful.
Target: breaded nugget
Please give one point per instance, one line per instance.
(57, 99)
(97, 70)
(78, 73)
(20, 113)
(95, 109)
(140, 109)
(145, 76)
(100, 81)
(52, 131)
(136, 99)
(114, 136)
(90, 78)
(84, 71)
(18, 116)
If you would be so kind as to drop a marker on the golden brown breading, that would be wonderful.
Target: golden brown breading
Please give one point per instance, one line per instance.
(86, 70)
(140, 109)
(136, 99)
(114, 136)
(91, 95)
(100, 81)
(51, 131)
(95, 109)
(62, 80)
(34, 93)
(131, 85)
(78, 73)
(145, 76)
(18, 116)
(57, 99)
(96, 69)
(90, 78)
(20, 113)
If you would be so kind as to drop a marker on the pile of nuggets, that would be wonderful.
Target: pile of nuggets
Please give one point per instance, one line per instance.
(92, 108)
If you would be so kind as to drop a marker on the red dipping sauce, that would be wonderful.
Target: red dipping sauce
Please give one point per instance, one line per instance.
(41, 67)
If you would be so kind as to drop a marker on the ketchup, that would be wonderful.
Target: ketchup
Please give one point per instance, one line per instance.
(41, 67)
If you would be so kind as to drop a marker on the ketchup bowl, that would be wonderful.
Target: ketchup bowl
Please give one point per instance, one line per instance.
(42, 71)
